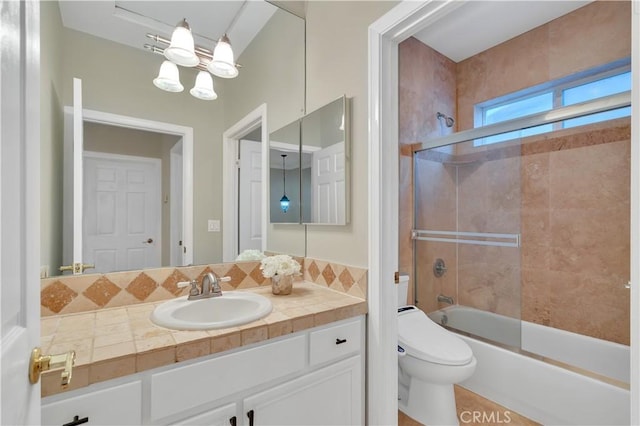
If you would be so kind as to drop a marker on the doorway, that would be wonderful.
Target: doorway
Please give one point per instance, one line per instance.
(236, 221)
(172, 144)
(384, 36)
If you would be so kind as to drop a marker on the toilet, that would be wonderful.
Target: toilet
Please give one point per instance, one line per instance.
(430, 360)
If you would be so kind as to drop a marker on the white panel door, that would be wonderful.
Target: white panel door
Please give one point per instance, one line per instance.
(19, 209)
(328, 185)
(122, 229)
(250, 196)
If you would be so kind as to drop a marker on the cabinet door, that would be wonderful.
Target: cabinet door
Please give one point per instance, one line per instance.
(117, 405)
(329, 396)
(222, 416)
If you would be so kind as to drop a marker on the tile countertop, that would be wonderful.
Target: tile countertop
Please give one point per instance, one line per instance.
(116, 342)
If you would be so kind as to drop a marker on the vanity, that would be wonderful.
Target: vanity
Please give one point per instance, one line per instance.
(301, 364)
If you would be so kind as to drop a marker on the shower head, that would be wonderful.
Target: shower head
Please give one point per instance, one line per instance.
(448, 121)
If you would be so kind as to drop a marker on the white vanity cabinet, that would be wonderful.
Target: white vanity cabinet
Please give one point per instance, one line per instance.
(329, 396)
(311, 377)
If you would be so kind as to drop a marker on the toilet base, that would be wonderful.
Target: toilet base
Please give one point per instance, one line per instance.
(430, 404)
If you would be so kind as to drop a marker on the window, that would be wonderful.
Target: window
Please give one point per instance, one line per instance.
(582, 87)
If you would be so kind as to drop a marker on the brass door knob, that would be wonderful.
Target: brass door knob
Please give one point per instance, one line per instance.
(39, 363)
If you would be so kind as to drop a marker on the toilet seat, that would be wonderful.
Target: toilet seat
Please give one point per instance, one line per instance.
(424, 339)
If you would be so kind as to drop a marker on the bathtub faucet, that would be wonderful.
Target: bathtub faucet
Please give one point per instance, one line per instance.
(445, 299)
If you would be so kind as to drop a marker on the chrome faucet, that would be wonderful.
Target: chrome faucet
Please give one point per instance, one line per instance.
(445, 299)
(209, 287)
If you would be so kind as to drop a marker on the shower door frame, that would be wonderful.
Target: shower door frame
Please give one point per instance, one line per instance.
(385, 34)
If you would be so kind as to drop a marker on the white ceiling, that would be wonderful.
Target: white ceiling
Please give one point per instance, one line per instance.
(128, 22)
(486, 23)
(489, 23)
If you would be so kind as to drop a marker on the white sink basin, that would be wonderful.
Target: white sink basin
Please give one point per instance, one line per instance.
(231, 309)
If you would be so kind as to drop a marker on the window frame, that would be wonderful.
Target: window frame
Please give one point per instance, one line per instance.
(555, 87)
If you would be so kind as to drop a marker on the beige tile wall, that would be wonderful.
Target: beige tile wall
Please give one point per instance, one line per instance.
(69, 294)
(427, 85)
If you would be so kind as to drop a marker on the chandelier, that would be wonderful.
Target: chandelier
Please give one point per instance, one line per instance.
(181, 50)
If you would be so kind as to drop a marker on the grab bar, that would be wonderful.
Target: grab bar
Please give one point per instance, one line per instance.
(478, 238)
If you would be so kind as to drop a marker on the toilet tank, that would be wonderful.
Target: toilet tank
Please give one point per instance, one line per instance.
(403, 289)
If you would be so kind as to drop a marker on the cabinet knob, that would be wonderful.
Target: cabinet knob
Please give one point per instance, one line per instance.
(250, 415)
(340, 341)
(233, 421)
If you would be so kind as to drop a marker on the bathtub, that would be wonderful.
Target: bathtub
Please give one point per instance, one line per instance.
(539, 390)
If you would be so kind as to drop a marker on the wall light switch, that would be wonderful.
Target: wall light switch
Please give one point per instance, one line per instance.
(213, 225)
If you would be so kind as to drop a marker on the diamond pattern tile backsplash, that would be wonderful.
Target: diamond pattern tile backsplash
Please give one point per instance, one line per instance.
(71, 294)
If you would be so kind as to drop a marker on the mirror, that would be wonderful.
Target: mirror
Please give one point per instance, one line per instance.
(325, 171)
(121, 83)
(315, 150)
(284, 175)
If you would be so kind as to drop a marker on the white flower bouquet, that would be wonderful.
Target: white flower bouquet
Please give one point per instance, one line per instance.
(249, 255)
(281, 264)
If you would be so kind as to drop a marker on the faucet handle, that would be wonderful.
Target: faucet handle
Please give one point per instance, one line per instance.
(194, 286)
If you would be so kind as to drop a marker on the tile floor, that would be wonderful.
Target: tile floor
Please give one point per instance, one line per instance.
(474, 410)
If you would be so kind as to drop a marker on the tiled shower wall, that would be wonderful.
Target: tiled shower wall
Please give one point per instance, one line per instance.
(573, 263)
(78, 293)
(427, 85)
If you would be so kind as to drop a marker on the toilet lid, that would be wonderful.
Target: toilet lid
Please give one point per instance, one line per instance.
(424, 339)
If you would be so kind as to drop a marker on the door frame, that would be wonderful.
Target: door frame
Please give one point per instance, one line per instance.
(230, 184)
(385, 34)
(186, 133)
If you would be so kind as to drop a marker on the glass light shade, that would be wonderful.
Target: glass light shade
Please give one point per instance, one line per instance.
(181, 51)
(203, 89)
(284, 204)
(223, 64)
(168, 78)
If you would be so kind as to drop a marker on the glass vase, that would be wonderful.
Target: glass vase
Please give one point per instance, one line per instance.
(281, 284)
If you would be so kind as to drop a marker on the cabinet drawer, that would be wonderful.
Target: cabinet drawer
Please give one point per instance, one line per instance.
(335, 342)
(184, 388)
(118, 405)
